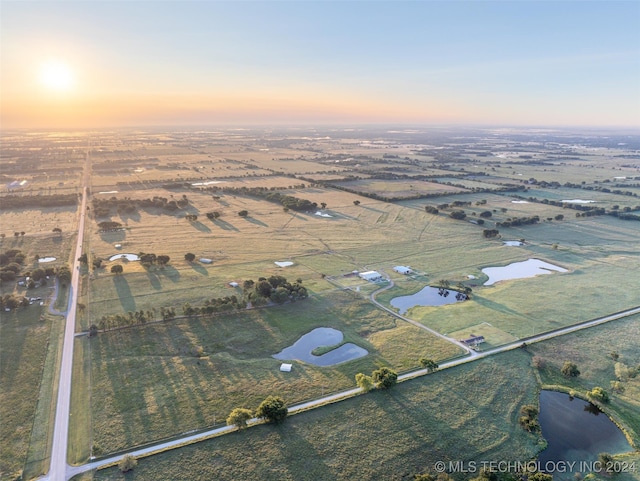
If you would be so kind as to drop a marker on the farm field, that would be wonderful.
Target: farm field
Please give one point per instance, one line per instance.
(437, 411)
(155, 380)
(148, 384)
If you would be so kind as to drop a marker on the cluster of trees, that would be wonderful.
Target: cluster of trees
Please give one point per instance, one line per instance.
(272, 195)
(382, 378)
(109, 226)
(457, 214)
(490, 233)
(429, 209)
(10, 301)
(518, 221)
(598, 394)
(105, 207)
(191, 217)
(11, 263)
(272, 409)
(22, 201)
(213, 215)
(150, 259)
(274, 289)
(529, 418)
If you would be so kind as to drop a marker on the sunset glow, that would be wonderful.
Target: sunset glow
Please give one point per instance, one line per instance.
(178, 63)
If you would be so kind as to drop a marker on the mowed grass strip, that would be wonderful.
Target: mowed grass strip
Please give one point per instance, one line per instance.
(463, 414)
(147, 384)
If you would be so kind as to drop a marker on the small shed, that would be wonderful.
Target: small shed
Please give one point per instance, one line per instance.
(204, 260)
(118, 246)
(286, 367)
(473, 340)
(370, 276)
(403, 270)
(233, 284)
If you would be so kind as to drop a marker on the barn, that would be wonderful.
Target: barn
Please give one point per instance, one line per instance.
(403, 270)
(370, 276)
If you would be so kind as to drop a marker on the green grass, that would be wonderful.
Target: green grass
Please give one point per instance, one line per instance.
(590, 350)
(24, 338)
(467, 413)
(146, 384)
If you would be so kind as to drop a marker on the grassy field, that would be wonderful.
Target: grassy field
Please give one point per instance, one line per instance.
(590, 350)
(146, 383)
(25, 335)
(469, 413)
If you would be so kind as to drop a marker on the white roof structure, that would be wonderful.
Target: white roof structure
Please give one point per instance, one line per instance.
(204, 260)
(370, 276)
(403, 270)
(285, 367)
(233, 284)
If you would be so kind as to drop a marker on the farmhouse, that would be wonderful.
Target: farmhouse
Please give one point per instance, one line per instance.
(403, 270)
(370, 276)
(473, 340)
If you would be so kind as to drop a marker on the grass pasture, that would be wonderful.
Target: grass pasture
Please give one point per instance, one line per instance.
(147, 385)
(469, 413)
(24, 341)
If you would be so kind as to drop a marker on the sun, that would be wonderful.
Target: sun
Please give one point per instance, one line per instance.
(57, 76)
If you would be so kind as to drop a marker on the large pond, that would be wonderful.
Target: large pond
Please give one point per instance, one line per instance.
(129, 257)
(519, 270)
(428, 296)
(576, 431)
(302, 349)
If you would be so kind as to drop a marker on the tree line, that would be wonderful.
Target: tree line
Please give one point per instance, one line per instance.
(22, 201)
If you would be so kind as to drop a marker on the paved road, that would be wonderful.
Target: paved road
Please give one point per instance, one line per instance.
(58, 467)
(74, 470)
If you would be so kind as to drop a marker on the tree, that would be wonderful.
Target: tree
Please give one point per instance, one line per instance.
(569, 369)
(384, 378)
(117, 269)
(127, 463)
(280, 295)
(93, 330)
(486, 214)
(163, 260)
(559, 217)
(598, 394)
(264, 288)
(83, 259)
(429, 364)
(64, 274)
(189, 257)
(364, 382)
(243, 213)
(97, 262)
(57, 230)
(458, 214)
(323, 205)
(356, 202)
(272, 409)
(239, 417)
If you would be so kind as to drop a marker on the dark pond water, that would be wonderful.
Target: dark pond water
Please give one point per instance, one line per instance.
(428, 296)
(576, 431)
(321, 336)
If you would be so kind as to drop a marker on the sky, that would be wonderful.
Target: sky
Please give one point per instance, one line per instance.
(143, 63)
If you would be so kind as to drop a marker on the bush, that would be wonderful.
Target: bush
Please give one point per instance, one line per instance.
(569, 369)
(127, 463)
(239, 417)
(273, 409)
(385, 378)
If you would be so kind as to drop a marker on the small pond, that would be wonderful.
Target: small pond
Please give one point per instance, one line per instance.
(283, 263)
(576, 430)
(129, 257)
(519, 270)
(513, 243)
(46, 259)
(322, 336)
(428, 296)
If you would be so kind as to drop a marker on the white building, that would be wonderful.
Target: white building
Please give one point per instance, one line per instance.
(370, 276)
(204, 260)
(285, 367)
(403, 270)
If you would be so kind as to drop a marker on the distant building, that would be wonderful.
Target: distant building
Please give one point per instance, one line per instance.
(286, 367)
(204, 260)
(473, 340)
(403, 270)
(370, 276)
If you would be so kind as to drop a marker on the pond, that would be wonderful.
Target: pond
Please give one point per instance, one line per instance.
(46, 259)
(302, 349)
(129, 257)
(513, 243)
(576, 431)
(519, 270)
(428, 296)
